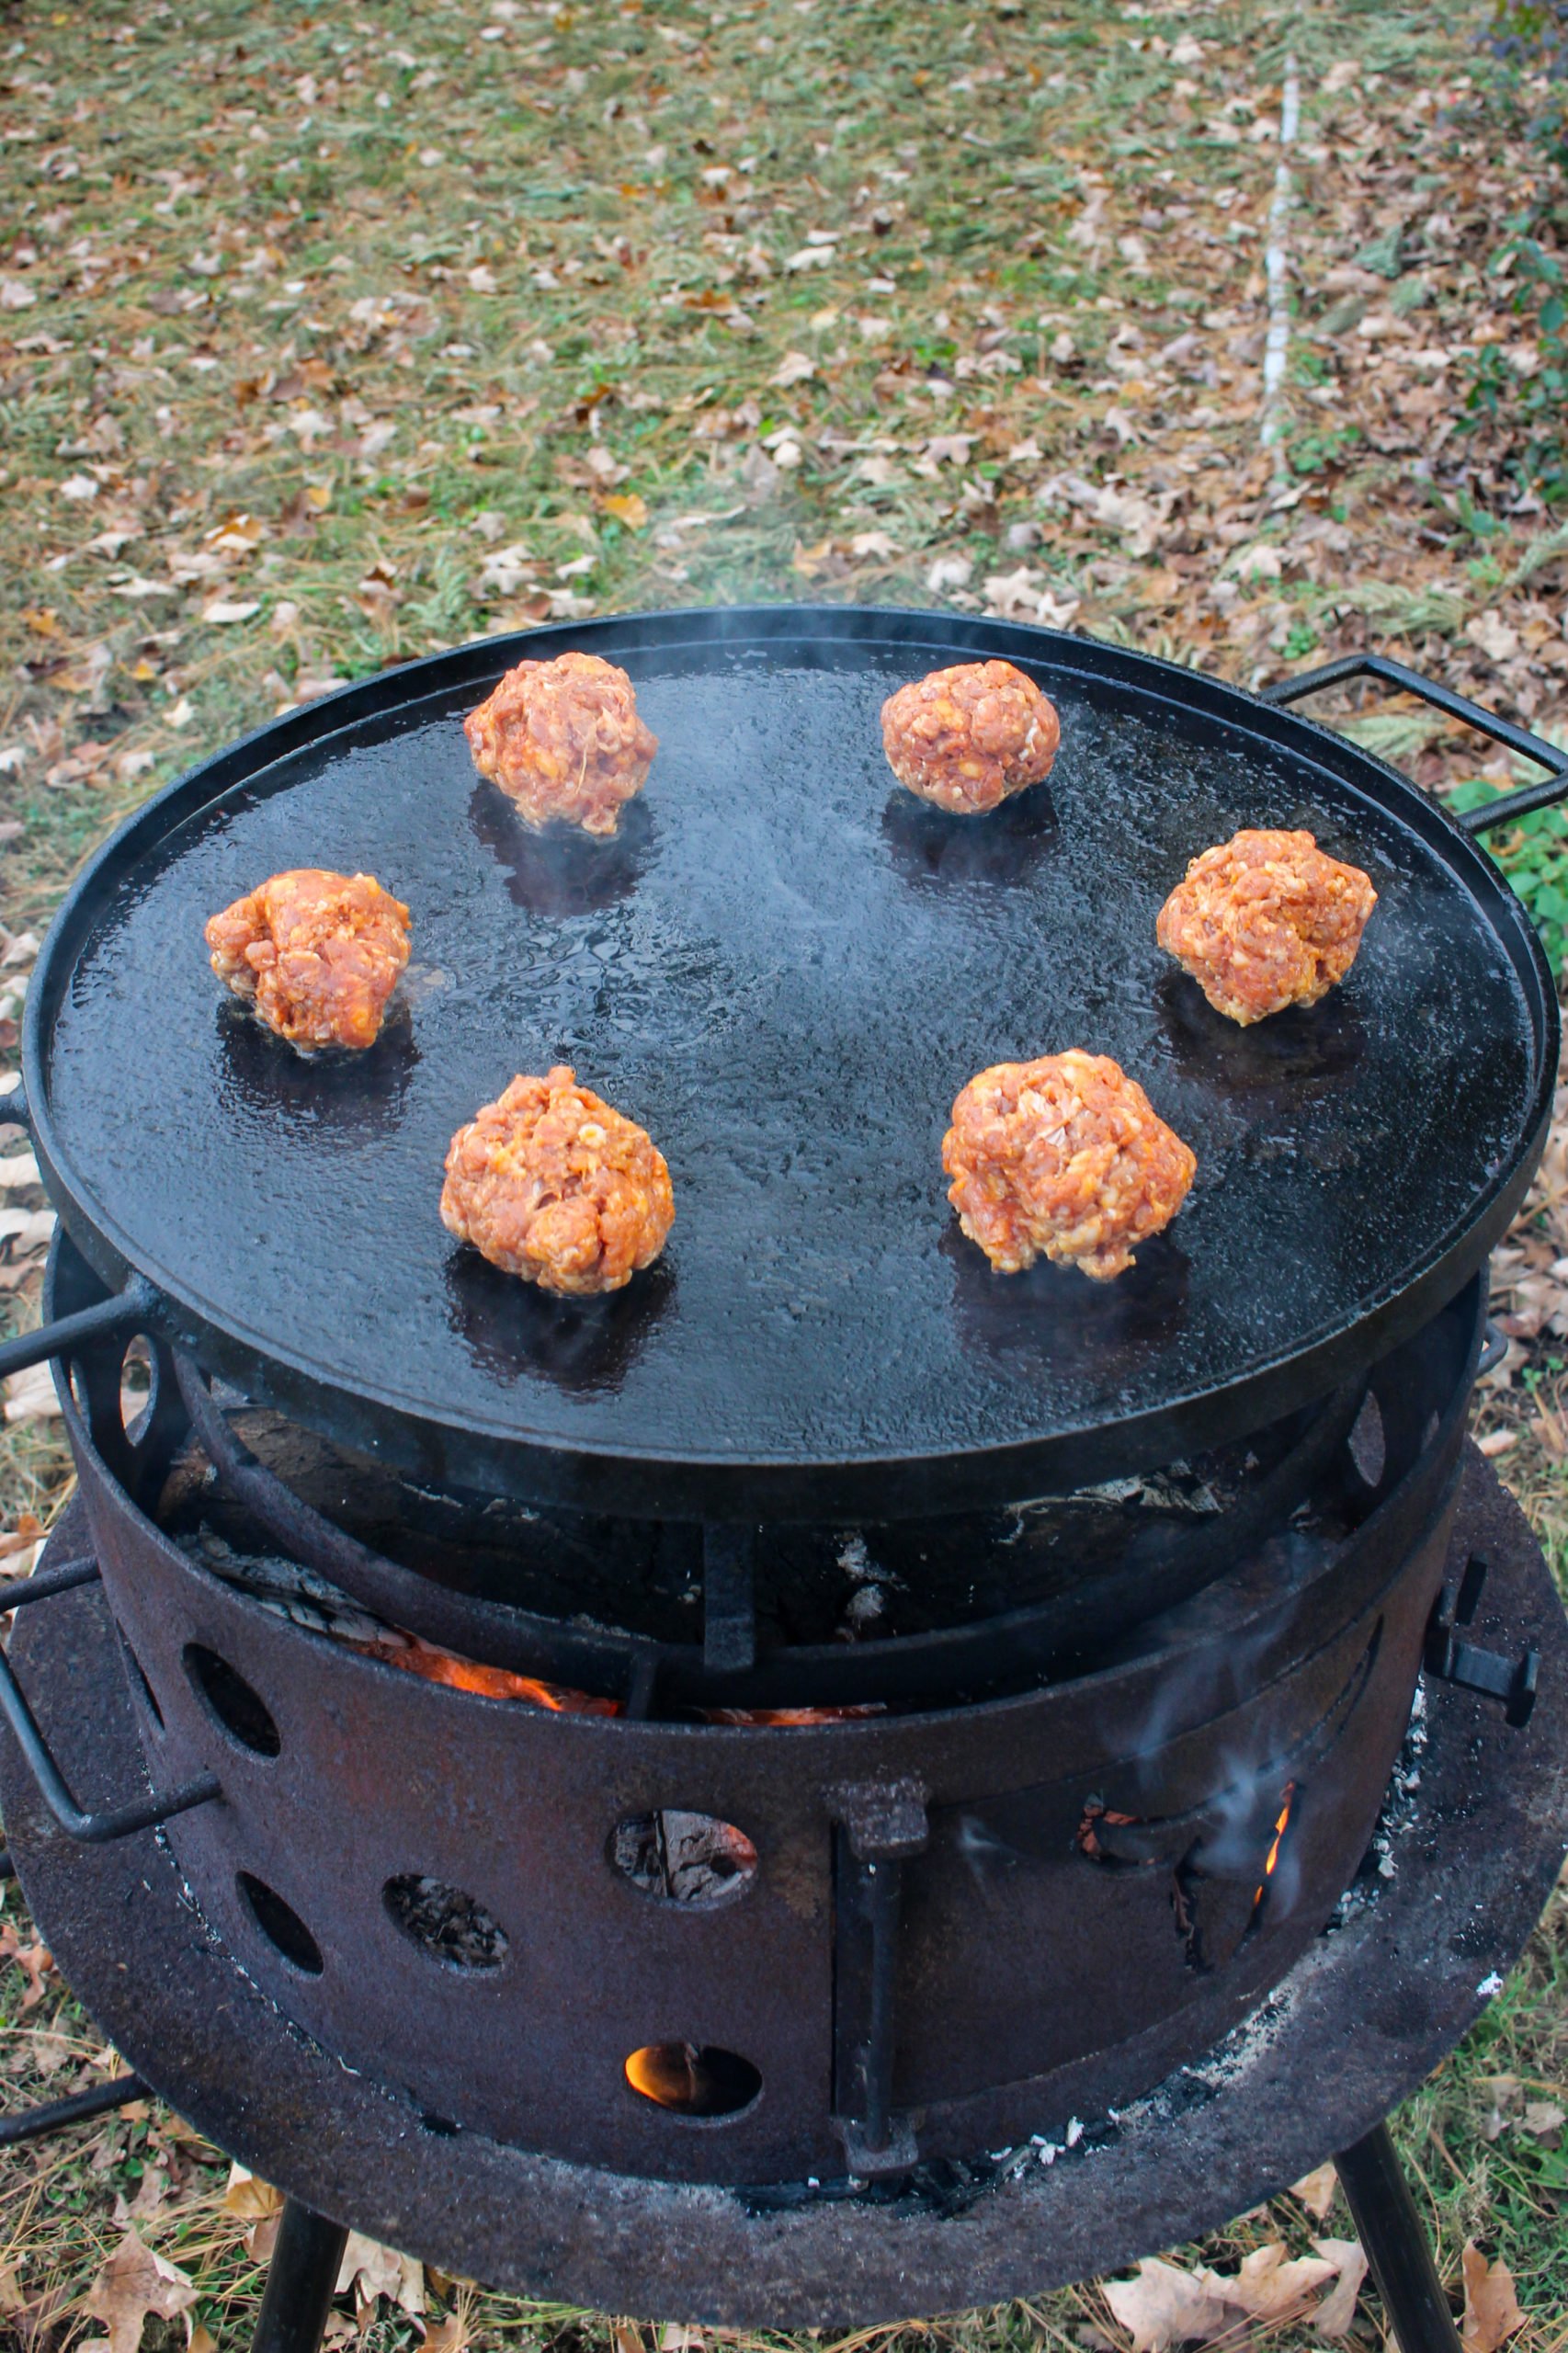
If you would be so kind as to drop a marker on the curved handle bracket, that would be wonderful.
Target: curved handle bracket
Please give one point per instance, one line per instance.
(112, 1822)
(1514, 805)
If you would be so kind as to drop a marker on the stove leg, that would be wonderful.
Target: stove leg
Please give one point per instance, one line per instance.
(299, 2282)
(1391, 2231)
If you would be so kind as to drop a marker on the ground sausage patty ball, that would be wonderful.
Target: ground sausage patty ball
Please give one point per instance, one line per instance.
(317, 954)
(563, 739)
(1064, 1158)
(970, 737)
(552, 1184)
(1265, 921)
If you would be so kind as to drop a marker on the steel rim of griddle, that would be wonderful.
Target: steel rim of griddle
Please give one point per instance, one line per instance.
(529, 1444)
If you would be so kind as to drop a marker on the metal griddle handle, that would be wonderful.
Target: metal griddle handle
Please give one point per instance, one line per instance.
(1514, 805)
(112, 1822)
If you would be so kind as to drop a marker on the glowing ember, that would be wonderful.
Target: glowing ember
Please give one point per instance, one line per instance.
(695, 2082)
(1273, 1856)
(666, 2073)
(1086, 1837)
(492, 1682)
(787, 1717)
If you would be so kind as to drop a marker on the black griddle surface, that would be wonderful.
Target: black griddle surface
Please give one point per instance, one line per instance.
(786, 968)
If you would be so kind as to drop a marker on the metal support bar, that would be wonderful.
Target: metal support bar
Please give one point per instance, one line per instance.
(113, 1822)
(1391, 2231)
(640, 1688)
(729, 1598)
(302, 2280)
(879, 1825)
(34, 2122)
(130, 1311)
(49, 1582)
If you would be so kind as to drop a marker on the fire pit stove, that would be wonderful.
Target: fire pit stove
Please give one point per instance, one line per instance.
(918, 1846)
(1078, 1924)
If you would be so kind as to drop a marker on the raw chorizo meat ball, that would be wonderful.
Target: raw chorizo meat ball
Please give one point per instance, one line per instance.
(1265, 920)
(970, 737)
(563, 739)
(317, 954)
(1063, 1157)
(551, 1184)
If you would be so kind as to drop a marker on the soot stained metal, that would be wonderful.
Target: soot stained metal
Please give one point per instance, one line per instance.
(872, 1994)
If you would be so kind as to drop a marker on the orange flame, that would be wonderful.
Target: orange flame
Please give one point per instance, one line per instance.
(789, 1717)
(1273, 1856)
(665, 2072)
(417, 1657)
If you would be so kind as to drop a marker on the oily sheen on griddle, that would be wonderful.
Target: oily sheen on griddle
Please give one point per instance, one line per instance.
(790, 966)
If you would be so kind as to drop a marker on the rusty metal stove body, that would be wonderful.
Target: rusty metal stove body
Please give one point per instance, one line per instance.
(966, 1924)
(962, 1932)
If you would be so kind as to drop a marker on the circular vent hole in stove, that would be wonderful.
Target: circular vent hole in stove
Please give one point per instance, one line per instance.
(696, 2080)
(241, 1711)
(281, 1926)
(451, 1927)
(680, 1858)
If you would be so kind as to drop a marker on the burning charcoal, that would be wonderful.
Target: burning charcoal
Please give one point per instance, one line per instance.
(686, 1857)
(447, 1922)
(301, 1595)
(308, 1599)
(417, 1657)
(793, 1718)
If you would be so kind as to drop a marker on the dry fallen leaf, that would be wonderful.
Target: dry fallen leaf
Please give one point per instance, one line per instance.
(132, 2283)
(1491, 2308)
(1164, 2307)
(249, 2197)
(373, 2270)
(449, 2336)
(1315, 2189)
(23, 1537)
(31, 1396)
(1542, 2117)
(1271, 2285)
(628, 506)
(1337, 2310)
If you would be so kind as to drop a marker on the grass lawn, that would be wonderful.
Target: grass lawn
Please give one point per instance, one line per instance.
(333, 336)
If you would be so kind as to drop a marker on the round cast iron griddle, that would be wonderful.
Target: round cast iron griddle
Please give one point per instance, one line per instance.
(785, 967)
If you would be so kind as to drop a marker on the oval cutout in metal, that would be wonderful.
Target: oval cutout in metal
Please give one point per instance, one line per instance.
(689, 2079)
(681, 1858)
